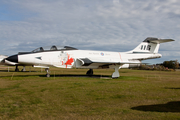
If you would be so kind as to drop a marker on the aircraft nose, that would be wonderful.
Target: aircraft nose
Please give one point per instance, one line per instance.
(13, 58)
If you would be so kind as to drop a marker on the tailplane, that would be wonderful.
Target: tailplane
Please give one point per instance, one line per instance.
(150, 45)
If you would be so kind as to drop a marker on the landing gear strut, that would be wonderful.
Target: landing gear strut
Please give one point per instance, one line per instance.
(24, 69)
(89, 72)
(16, 69)
(47, 70)
(116, 73)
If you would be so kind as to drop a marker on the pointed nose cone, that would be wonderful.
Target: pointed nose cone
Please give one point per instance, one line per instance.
(13, 58)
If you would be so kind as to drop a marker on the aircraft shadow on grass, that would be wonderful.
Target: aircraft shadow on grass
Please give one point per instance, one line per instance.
(172, 88)
(6, 70)
(71, 75)
(173, 106)
(75, 75)
(64, 75)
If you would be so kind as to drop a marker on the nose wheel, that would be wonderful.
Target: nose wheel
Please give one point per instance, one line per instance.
(16, 69)
(47, 72)
(24, 69)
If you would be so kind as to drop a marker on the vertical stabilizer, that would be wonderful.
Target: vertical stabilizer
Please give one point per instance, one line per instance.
(150, 45)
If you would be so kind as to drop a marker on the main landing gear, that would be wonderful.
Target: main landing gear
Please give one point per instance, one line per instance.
(89, 72)
(116, 73)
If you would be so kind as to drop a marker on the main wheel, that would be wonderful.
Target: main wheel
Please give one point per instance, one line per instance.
(89, 72)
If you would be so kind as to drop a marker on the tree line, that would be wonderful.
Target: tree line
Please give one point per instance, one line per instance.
(172, 64)
(166, 65)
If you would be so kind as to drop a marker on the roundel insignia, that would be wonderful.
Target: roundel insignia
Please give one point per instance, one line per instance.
(102, 54)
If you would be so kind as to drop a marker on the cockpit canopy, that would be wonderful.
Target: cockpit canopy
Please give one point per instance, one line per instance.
(53, 48)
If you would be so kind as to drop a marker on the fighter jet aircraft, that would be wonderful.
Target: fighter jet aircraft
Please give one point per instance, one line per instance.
(69, 57)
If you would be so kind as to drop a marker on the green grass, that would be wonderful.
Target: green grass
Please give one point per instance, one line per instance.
(135, 95)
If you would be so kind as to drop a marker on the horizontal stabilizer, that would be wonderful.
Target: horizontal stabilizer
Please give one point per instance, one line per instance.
(157, 40)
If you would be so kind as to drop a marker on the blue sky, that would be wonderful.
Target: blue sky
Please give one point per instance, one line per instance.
(112, 25)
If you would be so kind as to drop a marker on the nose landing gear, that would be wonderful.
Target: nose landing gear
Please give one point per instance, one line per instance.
(16, 69)
(47, 70)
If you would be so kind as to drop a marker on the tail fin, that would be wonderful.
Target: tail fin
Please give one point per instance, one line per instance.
(150, 45)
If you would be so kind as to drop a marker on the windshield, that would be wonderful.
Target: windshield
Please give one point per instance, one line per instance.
(53, 48)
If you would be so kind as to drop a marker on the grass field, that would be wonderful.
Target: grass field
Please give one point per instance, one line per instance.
(68, 94)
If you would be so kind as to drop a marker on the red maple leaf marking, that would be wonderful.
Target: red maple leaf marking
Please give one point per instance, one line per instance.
(69, 61)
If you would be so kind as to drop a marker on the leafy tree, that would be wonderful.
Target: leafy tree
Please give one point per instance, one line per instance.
(176, 64)
(173, 64)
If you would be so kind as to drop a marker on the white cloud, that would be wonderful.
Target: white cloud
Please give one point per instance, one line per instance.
(104, 25)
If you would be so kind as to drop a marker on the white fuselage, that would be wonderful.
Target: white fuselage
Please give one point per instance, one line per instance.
(67, 59)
